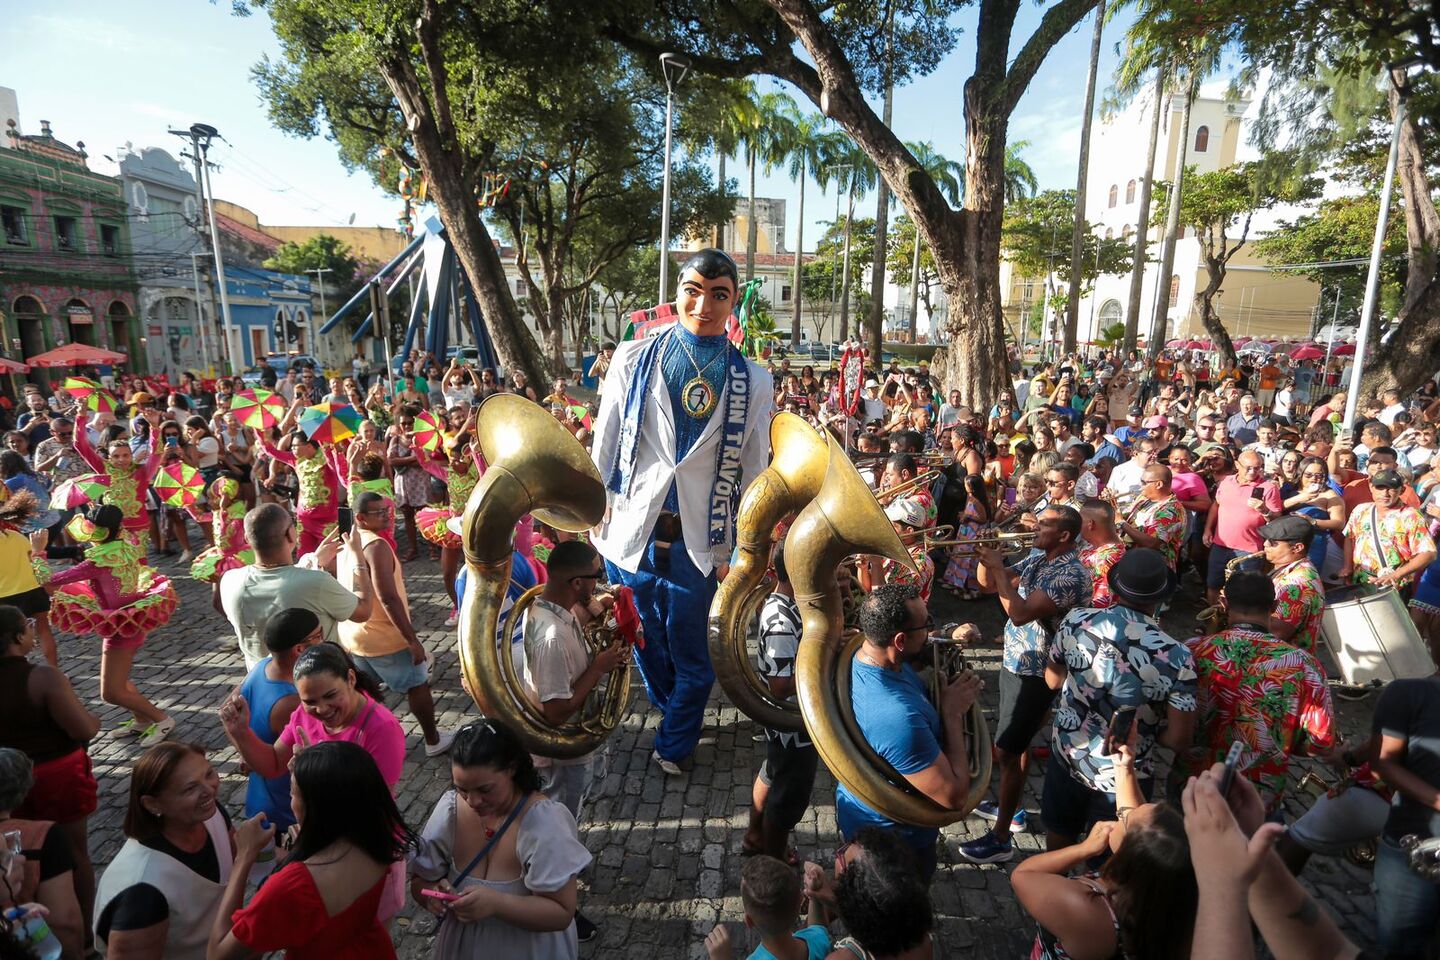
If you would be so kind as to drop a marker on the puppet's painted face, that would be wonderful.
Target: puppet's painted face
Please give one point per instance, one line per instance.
(703, 303)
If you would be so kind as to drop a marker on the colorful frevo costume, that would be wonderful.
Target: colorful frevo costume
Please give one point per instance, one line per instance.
(318, 510)
(111, 592)
(460, 471)
(227, 524)
(128, 488)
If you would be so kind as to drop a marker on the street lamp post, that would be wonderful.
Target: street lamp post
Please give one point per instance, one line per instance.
(674, 67)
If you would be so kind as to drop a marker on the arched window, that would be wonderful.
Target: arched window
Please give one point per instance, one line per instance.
(1109, 233)
(1202, 139)
(1175, 290)
(1130, 192)
(1110, 314)
(1127, 233)
(1114, 194)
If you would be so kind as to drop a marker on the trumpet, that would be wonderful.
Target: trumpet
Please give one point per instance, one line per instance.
(928, 534)
(935, 458)
(1004, 541)
(909, 486)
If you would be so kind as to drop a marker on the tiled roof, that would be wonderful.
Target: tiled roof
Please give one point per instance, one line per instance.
(246, 233)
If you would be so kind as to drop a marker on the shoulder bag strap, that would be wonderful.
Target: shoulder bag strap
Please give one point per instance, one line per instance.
(1375, 535)
(490, 844)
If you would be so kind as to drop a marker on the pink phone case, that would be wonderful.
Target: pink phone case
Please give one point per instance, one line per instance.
(441, 895)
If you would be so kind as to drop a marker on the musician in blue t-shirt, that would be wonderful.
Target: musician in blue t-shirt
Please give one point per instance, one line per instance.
(893, 710)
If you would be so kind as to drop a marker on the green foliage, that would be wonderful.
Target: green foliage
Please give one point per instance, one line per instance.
(900, 257)
(1221, 203)
(320, 252)
(1342, 228)
(1111, 336)
(1020, 179)
(1036, 237)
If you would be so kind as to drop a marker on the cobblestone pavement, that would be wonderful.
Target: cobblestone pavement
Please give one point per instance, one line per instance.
(667, 863)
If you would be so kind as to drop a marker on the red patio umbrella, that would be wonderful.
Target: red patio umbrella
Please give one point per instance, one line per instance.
(11, 366)
(1344, 350)
(75, 355)
(1307, 352)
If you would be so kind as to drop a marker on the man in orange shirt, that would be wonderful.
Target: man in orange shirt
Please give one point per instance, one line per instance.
(1357, 491)
(1269, 379)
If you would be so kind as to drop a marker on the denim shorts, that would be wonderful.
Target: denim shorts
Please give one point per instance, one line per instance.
(398, 671)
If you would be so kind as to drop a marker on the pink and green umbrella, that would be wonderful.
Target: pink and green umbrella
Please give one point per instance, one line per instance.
(427, 433)
(79, 491)
(258, 409)
(92, 395)
(330, 422)
(178, 485)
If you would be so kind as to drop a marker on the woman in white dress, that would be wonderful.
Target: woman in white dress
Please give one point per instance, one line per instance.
(508, 852)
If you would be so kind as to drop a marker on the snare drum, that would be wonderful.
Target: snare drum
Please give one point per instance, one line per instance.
(1372, 637)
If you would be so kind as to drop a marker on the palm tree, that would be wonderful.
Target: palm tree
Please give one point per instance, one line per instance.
(1020, 179)
(808, 147)
(949, 176)
(724, 133)
(853, 172)
(767, 141)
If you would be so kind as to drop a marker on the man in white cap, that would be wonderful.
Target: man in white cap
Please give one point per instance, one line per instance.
(907, 515)
(871, 406)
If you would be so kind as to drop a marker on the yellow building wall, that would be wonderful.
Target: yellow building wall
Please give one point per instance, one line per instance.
(1256, 303)
(368, 243)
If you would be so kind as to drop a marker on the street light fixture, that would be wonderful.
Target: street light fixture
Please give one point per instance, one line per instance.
(674, 67)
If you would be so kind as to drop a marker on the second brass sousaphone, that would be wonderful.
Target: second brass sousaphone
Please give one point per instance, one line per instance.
(793, 478)
(845, 519)
(535, 466)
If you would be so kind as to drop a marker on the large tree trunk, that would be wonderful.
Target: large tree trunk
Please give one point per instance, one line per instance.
(1142, 223)
(553, 326)
(1408, 358)
(1205, 306)
(475, 250)
(1172, 227)
(1082, 182)
(876, 333)
(795, 292)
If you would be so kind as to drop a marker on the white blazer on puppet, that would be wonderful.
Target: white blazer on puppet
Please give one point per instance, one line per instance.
(623, 536)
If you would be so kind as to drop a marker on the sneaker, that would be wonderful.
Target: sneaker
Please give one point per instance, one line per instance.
(670, 767)
(585, 930)
(989, 811)
(442, 745)
(453, 619)
(987, 849)
(157, 732)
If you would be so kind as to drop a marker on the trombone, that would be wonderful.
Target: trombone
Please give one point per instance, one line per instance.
(935, 458)
(1005, 541)
(908, 487)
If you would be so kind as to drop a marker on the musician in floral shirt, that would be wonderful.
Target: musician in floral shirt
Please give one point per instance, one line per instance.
(1159, 521)
(1405, 547)
(907, 516)
(1299, 595)
(1102, 549)
(1269, 695)
(1108, 661)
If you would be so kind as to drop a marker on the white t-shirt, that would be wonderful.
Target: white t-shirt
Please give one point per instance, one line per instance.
(1283, 397)
(555, 657)
(1387, 416)
(209, 450)
(454, 396)
(250, 596)
(1125, 478)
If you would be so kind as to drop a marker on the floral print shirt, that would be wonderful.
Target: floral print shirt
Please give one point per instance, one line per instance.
(1299, 602)
(1064, 581)
(893, 572)
(1098, 561)
(1115, 658)
(1269, 695)
(1166, 521)
(1402, 536)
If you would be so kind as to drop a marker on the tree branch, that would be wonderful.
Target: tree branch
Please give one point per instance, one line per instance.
(427, 27)
(1058, 21)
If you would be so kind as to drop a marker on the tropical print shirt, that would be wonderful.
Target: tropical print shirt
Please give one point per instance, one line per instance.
(1116, 658)
(1165, 520)
(1098, 561)
(893, 572)
(1064, 581)
(1269, 695)
(1402, 535)
(1299, 602)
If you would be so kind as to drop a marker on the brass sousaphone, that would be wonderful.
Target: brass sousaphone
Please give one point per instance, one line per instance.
(845, 519)
(535, 466)
(793, 478)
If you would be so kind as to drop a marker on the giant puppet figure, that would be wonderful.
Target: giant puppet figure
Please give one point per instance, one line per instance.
(683, 428)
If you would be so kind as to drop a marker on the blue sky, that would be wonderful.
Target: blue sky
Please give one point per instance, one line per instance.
(133, 70)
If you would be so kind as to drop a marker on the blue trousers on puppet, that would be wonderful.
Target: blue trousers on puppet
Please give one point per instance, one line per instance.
(675, 663)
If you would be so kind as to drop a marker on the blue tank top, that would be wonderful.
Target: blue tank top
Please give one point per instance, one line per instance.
(268, 796)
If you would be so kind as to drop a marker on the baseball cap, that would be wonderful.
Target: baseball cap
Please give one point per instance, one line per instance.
(1289, 528)
(140, 396)
(1135, 411)
(1387, 480)
(1156, 422)
(906, 510)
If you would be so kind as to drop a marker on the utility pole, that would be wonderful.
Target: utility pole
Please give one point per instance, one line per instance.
(201, 134)
(200, 316)
(320, 283)
(1072, 305)
(673, 67)
(1142, 220)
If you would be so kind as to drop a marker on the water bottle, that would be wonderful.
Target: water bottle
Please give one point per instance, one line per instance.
(34, 933)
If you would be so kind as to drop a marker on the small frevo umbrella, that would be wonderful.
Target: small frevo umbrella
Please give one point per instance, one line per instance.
(258, 409)
(330, 422)
(79, 491)
(427, 434)
(178, 485)
(92, 395)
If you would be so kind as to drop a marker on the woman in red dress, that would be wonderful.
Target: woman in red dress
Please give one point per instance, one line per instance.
(323, 902)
